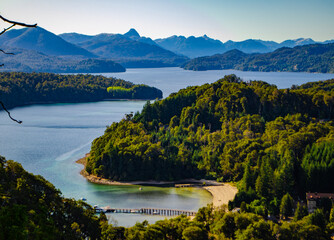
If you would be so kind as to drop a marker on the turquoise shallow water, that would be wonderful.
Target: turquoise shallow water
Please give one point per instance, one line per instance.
(53, 136)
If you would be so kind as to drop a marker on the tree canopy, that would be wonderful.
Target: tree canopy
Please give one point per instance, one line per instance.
(217, 131)
(25, 88)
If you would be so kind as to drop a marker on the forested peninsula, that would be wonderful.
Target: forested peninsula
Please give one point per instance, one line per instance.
(307, 58)
(271, 141)
(17, 89)
(218, 131)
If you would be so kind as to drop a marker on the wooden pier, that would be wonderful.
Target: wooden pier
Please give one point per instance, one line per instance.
(148, 211)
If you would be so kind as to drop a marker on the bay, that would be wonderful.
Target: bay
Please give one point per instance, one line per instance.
(53, 136)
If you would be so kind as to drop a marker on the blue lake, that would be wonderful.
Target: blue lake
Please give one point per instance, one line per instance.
(53, 136)
(173, 79)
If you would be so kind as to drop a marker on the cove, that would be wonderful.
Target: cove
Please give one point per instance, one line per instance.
(52, 137)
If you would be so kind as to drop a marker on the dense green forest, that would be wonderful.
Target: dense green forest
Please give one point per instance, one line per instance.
(18, 89)
(307, 58)
(271, 141)
(220, 224)
(31, 208)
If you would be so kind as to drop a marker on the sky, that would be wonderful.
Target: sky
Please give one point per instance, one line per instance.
(236, 20)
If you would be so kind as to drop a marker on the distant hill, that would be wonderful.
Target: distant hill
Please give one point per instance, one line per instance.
(192, 46)
(308, 58)
(227, 60)
(75, 38)
(296, 42)
(131, 50)
(328, 41)
(43, 41)
(249, 46)
(33, 61)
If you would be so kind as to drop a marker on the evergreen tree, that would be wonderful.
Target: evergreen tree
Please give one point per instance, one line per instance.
(284, 175)
(301, 211)
(243, 207)
(263, 183)
(246, 179)
(318, 218)
(194, 233)
(286, 208)
(331, 216)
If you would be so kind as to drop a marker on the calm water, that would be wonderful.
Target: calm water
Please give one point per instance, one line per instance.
(172, 79)
(52, 137)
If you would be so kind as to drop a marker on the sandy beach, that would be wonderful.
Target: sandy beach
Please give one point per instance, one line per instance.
(221, 192)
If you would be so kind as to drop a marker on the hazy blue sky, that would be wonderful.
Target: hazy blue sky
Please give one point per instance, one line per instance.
(236, 20)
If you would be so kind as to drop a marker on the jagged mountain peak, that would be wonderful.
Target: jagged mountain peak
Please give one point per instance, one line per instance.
(132, 33)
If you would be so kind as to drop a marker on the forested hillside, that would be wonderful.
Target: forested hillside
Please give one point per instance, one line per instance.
(18, 89)
(308, 58)
(31, 208)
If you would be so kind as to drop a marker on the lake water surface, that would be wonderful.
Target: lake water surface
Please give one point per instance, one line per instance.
(173, 79)
(53, 136)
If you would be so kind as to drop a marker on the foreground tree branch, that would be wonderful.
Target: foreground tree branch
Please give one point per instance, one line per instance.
(6, 29)
(14, 23)
(6, 52)
(17, 23)
(4, 108)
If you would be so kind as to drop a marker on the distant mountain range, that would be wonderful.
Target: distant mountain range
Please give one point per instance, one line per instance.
(307, 58)
(37, 49)
(204, 46)
(40, 50)
(128, 49)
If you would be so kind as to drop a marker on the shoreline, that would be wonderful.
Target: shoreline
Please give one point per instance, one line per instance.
(27, 104)
(221, 193)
